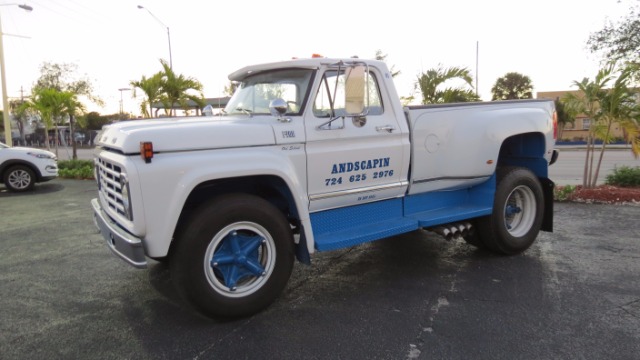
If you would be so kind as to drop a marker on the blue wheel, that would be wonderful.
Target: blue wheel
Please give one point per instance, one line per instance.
(234, 257)
(239, 259)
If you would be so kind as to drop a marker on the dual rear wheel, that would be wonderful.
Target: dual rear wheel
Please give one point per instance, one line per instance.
(517, 216)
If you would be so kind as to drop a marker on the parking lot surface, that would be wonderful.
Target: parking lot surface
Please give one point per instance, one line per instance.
(574, 295)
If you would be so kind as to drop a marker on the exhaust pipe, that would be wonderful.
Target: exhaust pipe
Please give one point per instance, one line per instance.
(454, 231)
(462, 229)
(469, 228)
(443, 231)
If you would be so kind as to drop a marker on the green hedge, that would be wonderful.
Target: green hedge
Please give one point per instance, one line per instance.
(624, 176)
(75, 169)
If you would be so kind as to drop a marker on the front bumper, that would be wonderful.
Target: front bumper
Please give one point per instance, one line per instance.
(126, 246)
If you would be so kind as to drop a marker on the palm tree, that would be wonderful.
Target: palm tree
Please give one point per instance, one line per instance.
(619, 105)
(431, 82)
(73, 108)
(52, 105)
(511, 86)
(605, 106)
(564, 117)
(588, 103)
(177, 89)
(151, 88)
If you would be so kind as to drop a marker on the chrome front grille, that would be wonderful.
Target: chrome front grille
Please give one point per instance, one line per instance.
(109, 185)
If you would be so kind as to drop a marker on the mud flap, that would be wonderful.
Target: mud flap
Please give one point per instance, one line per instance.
(302, 253)
(547, 189)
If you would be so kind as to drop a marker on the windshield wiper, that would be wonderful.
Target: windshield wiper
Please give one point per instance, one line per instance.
(243, 110)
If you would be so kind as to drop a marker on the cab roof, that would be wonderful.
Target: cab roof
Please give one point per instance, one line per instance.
(309, 63)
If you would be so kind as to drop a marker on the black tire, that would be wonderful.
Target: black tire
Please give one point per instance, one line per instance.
(518, 211)
(19, 178)
(217, 262)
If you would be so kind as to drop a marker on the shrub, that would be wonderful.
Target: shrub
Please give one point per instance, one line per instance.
(75, 169)
(562, 193)
(624, 176)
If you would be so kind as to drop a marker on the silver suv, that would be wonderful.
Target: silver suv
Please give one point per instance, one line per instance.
(21, 167)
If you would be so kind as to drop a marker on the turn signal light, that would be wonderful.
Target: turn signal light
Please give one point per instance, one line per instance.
(146, 151)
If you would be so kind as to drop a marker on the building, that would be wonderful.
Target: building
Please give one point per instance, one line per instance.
(216, 103)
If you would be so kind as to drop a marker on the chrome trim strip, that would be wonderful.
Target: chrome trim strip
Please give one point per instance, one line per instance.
(357, 191)
(177, 151)
(450, 178)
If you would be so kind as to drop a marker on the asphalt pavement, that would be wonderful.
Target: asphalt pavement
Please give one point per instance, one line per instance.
(574, 295)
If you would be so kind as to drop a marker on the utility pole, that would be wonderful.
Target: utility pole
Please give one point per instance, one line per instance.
(121, 102)
(477, 52)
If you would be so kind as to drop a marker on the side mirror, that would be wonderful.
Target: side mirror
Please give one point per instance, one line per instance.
(278, 107)
(207, 111)
(355, 90)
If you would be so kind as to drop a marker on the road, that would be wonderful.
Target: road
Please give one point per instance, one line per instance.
(574, 295)
(569, 168)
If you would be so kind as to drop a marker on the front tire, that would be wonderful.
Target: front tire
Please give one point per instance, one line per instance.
(518, 211)
(19, 178)
(235, 256)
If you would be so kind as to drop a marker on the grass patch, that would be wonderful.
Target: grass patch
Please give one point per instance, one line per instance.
(75, 169)
(562, 193)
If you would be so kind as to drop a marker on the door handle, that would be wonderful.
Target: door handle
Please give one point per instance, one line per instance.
(387, 128)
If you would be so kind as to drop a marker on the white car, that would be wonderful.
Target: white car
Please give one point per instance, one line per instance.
(21, 167)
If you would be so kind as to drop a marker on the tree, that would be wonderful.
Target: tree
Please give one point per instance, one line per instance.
(564, 117)
(178, 89)
(73, 108)
(511, 86)
(152, 90)
(432, 81)
(231, 88)
(94, 121)
(619, 41)
(619, 105)
(605, 106)
(21, 113)
(52, 105)
(63, 78)
(383, 57)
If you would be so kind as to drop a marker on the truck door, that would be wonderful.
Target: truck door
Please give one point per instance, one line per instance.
(353, 159)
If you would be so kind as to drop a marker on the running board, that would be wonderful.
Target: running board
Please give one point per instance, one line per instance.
(364, 233)
(431, 218)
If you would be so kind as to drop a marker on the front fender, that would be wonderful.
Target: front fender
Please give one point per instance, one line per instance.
(171, 177)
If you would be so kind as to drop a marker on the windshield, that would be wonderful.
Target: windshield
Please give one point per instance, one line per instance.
(255, 92)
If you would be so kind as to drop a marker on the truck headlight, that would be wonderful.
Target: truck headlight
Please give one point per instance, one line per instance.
(126, 198)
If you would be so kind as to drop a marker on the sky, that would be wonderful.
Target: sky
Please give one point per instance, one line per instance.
(113, 42)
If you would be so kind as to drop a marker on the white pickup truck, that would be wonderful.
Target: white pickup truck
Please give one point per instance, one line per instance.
(315, 155)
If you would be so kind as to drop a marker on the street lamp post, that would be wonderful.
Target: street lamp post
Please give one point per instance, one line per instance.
(168, 34)
(121, 102)
(5, 100)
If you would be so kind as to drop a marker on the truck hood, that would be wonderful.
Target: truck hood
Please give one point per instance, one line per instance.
(179, 134)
